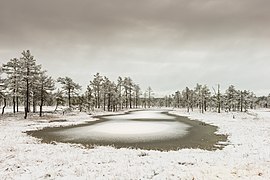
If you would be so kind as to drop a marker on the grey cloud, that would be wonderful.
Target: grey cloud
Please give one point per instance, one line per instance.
(207, 41)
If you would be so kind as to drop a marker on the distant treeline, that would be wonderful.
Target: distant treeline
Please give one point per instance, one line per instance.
(24, 83)
(201, 98)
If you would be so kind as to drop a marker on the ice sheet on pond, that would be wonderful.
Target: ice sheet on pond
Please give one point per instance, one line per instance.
(129, 128)
(127, 131)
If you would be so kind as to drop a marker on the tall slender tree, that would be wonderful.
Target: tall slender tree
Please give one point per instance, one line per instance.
(28, 69)
(96, 86)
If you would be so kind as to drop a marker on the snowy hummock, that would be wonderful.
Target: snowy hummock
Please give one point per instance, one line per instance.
(245, 157)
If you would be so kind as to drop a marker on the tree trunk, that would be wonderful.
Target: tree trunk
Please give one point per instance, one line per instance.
(69, 98)
(120, 97)
(98, 98)
(40, 109)
(205, 105)
(187, 97)
(130, 99)
(136, 102)
(96, 104)
(17, 103)
(89, 101)
(41, 101)
(5, 104)
(104, 102)
(109, 102)
(27, 96)
(126, 98)
(14, 102)
(34, 103)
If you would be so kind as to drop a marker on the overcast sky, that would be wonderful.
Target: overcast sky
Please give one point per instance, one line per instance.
(165, 44)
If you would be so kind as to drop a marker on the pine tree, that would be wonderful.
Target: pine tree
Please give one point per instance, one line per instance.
(28, 69)
(89, 96)
(59, 98)
(105, 92)
(144, 99)
(96, 86)
(34, 86)
(198, 93)
(126, 90)
(191, 99)
(46, 84)
(217, 99)
(69, 87)
(206, 96)
(230, 100)
(112, 97)
(12, 69)
(177, 99)
(187, 98)
(119, 91)
(130, 88)
(149, 94)
(137, 94)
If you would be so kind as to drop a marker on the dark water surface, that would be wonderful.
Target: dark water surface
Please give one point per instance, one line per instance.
(149, 129)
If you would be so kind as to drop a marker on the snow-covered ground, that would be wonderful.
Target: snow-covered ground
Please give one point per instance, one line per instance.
(247, 156)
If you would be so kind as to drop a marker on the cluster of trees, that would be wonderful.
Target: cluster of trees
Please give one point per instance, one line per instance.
(23, 82)
(104, 93)
(201, 97)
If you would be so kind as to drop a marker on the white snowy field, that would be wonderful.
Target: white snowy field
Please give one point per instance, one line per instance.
(247, 156)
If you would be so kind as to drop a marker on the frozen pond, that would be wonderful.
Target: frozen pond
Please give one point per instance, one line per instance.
(138, 129)
(138, 126)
